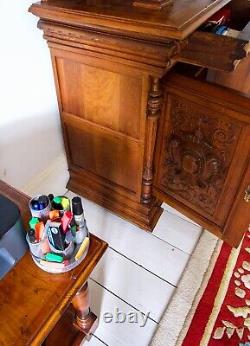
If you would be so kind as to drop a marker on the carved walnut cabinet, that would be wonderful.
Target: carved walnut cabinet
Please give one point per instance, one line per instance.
(136, 131)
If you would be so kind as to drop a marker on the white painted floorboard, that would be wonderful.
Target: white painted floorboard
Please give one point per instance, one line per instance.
(177, 231)
(141, 247)
(142, 289)
(94, 341)
(118, 334)
(176, 212)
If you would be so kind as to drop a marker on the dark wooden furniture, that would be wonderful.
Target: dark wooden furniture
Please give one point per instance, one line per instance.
(35, 304)
(241, 11)
(120, 112)
(238, 79)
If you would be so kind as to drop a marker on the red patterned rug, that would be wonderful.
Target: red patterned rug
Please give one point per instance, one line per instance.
(222, 317)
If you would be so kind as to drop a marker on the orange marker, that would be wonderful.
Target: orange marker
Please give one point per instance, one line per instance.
(54, 214)
(39, 229)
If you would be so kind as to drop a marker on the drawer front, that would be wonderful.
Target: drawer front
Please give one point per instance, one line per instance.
(202, 149)
(218, 52)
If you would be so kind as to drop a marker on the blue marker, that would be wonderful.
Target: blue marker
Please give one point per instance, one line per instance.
(35, 205)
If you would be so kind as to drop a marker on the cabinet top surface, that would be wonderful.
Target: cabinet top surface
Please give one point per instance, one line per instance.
(176, 20)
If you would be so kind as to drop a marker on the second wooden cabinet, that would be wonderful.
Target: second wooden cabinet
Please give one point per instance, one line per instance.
(203, 154)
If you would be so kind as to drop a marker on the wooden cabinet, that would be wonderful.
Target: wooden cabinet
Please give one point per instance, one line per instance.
(103, 106)
(134, 135)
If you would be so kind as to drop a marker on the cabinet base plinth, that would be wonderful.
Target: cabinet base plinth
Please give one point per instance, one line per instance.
(143, 215)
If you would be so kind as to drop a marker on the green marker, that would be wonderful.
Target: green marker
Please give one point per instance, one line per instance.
(57, 200)
(52, 257)
(33, 221)
(56, 203)
(73, 230)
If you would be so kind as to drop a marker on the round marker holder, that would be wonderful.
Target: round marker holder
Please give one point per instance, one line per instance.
(60, 261)
(71, 265)
(71, 262)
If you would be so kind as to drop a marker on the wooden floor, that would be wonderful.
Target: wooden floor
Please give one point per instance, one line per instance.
(138, 273)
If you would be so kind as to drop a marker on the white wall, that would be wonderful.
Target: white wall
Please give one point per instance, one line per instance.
(30, 134)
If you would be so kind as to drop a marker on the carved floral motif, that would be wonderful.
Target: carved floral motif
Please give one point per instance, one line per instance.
(198, 152)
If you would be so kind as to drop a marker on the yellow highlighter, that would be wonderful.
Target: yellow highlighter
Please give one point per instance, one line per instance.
(82, 248)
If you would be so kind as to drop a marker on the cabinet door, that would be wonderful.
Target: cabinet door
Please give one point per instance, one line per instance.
(202, 155)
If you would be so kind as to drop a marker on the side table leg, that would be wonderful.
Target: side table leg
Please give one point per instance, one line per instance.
(85, 319)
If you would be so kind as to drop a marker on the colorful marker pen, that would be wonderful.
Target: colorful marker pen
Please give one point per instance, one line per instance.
(52, 257)
(33, 221)
(82, 248)
(52, 265)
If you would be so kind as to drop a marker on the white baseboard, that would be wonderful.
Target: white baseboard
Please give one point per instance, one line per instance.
(58, 165)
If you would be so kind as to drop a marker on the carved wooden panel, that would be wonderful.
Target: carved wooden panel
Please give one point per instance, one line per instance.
(106, 98)
(198, 147)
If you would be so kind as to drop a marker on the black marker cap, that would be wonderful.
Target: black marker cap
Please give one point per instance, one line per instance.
(51, 197)
(31, 234)
(43, 201)
(77, 206)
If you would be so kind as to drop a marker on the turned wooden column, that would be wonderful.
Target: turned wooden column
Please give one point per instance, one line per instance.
(85, 319)
(153, 113)
(77, 323)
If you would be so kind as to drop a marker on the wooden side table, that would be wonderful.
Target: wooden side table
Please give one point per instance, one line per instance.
(35, 306)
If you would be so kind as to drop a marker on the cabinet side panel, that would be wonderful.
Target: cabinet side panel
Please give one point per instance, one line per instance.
(109, 157)
(106, 98)
(103, 112)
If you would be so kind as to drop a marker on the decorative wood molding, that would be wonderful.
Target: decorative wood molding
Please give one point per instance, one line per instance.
(143, 215)
(154, 108)
(173, 22)
(155, 57)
